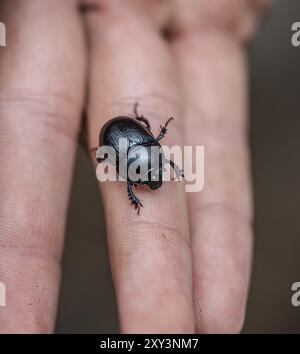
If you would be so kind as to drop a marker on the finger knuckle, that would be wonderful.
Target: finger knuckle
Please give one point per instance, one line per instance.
(235, 17)
(54, 113)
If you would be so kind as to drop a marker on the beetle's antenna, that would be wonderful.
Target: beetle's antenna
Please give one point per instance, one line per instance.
(168, 121)
(163, 129)
(135, 109)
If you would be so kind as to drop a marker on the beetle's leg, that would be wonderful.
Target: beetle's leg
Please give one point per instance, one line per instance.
(177, 170)
(163, 129)
(133, 198)
(101, 159)
(141, 118)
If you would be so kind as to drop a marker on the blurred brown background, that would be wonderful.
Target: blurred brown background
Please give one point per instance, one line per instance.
(87, 301)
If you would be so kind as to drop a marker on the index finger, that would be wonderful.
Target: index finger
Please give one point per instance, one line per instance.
(150, 253)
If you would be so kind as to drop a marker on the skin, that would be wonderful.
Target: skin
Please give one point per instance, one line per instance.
(183, 265)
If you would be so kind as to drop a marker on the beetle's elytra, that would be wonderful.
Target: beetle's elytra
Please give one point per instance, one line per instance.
(137, 132)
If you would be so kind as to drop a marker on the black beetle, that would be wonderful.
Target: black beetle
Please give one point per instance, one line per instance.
(137, 132)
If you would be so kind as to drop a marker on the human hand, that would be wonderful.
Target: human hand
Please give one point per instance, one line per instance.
(183, 264)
